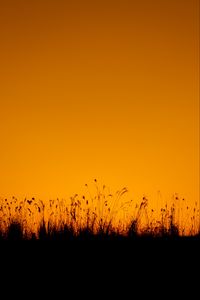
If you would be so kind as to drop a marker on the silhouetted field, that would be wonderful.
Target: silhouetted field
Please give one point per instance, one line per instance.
(98, 233)
(99, 217)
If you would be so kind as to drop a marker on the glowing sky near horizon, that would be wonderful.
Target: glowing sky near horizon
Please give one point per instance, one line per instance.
(99, 89)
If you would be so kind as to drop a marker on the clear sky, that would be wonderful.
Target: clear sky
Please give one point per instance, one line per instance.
(99, 89)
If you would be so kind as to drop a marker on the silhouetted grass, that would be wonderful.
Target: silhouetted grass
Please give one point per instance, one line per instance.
(15, 231)
(97, 216)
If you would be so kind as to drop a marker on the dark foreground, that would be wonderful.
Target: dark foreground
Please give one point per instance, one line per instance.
(89, 268)
(97, 250)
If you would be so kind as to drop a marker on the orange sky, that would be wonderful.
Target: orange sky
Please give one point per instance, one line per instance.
(99, 89)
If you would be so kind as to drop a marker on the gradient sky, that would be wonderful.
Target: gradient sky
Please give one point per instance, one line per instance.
(99, 89)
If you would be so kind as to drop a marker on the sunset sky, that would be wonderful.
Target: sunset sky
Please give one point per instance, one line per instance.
(99, 89)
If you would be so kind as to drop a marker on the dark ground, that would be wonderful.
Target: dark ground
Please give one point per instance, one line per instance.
(123, 269)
